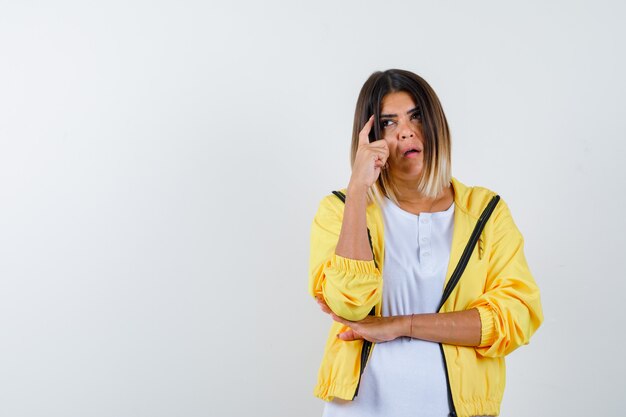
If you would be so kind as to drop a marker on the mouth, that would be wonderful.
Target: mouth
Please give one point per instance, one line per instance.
(412, 151)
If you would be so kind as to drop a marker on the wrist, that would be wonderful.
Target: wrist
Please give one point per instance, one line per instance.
(403, 328)
(357, 190)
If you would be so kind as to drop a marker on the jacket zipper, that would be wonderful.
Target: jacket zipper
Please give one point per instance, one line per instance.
(367, 345)
(365, 350)
(450, 399)
(456, 276)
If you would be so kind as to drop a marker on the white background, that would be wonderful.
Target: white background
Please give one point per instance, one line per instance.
(161, 163)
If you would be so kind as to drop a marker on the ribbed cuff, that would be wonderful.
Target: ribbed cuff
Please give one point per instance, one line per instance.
(488, 325)
(355, 266)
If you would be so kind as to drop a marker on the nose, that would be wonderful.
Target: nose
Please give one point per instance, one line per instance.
(405, 131)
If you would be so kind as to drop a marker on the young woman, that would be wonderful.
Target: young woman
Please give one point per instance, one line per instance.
(426, 303)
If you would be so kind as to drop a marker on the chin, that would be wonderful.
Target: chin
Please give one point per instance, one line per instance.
(412, 173)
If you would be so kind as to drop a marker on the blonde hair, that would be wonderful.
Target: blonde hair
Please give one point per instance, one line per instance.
(436, 173)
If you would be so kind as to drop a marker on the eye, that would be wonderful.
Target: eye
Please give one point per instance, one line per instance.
(385, 123)
(416, 116)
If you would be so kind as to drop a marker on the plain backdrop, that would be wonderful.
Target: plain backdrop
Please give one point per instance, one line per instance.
(161, 163)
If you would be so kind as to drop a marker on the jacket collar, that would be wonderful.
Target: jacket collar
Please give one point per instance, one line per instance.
(470, 200)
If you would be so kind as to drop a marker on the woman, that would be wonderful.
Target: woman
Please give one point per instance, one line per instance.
(403, 348)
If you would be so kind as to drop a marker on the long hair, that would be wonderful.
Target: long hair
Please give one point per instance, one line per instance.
(436, 173)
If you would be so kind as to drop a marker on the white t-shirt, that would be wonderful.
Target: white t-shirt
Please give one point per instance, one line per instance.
(406, 377)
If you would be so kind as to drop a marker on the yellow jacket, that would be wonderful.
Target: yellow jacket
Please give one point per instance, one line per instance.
(496, 281)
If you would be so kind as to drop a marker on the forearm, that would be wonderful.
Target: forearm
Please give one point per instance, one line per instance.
(353, 242)
(462, 328)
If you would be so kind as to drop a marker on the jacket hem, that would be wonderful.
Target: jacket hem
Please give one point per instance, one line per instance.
(478, 408)
(332, 391)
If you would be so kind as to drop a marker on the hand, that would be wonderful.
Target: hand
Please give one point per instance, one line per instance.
(370, 158)
(373, 329)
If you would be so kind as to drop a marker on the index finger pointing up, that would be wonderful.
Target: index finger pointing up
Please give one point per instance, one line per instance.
(364, 133)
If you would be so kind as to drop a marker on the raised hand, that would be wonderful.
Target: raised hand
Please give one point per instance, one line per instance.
(370, 159)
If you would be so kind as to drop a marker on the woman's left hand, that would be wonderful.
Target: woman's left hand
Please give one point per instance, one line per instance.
(373, 329)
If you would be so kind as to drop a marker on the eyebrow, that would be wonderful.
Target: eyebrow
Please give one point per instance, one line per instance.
(413, 110)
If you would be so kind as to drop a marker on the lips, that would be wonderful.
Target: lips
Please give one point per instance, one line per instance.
(410, 151)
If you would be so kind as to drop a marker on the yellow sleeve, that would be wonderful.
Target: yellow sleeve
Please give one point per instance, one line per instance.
(350, 287)
(510, 308)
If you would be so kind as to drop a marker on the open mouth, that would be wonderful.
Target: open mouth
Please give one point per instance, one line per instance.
(411, 151)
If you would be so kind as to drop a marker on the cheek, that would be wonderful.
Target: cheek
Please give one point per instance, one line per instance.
(420, 135)
(391, 144)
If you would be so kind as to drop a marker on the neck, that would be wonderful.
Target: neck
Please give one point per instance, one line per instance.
(412, 200)
(406, 191)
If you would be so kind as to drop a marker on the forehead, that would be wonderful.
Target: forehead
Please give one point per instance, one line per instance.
(399, 100)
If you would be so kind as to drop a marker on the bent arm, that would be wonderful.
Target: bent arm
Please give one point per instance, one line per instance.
(503, 318)
(341, 267)
(461, 328)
